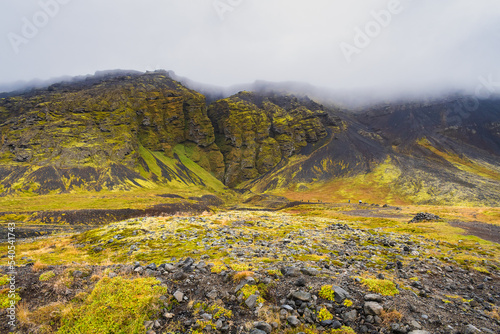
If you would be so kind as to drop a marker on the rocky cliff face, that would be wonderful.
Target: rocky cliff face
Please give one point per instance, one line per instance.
(95, 130)
(122, 131)
(256, 132)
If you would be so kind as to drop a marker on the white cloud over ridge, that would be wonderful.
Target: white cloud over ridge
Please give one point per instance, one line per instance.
(427, 46)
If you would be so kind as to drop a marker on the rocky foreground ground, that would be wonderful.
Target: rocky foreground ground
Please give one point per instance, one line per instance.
(255, 272)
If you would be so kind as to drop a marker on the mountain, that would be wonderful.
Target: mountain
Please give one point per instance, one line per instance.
(129, 130)
(111, 132)
(426, 153)
(256, 133)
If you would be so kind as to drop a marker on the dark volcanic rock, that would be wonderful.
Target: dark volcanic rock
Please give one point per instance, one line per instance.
(423, 216)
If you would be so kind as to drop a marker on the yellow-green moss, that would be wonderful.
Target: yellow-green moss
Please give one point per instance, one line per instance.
(249, 290)
(4, 279)
(203, 324)
(274, 272)
(46, 276)
(324, 314)
(116, 305)
(341, 330)
(218, 311)
(380, 286)
(348, 303)
(326, 292)
(5, 300)
(218, 267)
(240, 266)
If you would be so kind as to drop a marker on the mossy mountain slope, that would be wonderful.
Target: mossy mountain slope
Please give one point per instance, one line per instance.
(116, 132)
(257, 132)
(447, 150)
(133, 130)
(422, 153)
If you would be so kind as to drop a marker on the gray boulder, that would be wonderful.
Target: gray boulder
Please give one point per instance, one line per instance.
(251, 301)
(373, 308)
(302, 296)
(293, 321)
(263, 326)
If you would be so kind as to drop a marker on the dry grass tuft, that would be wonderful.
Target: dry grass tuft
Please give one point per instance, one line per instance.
(391, 316)
(266, 312)
(95, 278)
(494, 314)
(23, 313)
(64, 282)
(97, 275)
(39, 266)
(242, 275)
(43, 319)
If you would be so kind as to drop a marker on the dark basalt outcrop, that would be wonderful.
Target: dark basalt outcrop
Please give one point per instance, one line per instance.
(424, 216)
(256, 132)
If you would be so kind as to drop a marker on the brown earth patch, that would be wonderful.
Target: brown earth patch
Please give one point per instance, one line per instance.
(482, 230)
(105, 216)
(375, 213)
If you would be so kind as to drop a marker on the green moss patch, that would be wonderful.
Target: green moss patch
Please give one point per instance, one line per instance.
(46, 276)
(380, 286)
(115, 306)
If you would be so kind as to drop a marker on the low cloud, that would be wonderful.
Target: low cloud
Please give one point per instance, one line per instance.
(422, 47)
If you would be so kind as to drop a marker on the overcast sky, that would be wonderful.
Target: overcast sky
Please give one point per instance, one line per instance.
(394, 45)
